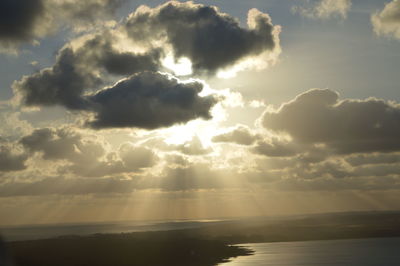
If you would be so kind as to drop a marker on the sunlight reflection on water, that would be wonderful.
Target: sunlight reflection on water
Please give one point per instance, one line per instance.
(355, 252)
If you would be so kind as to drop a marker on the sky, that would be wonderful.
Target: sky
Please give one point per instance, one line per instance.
(115, 110)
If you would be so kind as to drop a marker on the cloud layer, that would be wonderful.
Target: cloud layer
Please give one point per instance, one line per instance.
(114, 78)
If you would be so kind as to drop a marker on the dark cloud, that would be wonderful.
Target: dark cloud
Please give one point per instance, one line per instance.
(387, 21)
(19, 21)
(374, 158)
(378, 170)
(25, 20)
(99, 53)
(76, 71)
(209, 38)
(62, 84)
(11, 161)
(150, 100)
(63, 144)
(275, 148)
(241, 135)
(345, 126)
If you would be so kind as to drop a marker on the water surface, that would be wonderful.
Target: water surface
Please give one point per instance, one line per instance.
(354, 252)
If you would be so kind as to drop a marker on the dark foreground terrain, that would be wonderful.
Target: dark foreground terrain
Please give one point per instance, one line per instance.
(204, 246)
(122, 250)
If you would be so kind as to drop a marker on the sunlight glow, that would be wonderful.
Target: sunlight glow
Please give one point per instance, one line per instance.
(203, 129)
(180, 67)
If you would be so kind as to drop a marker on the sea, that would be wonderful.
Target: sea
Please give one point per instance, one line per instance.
(352, 252)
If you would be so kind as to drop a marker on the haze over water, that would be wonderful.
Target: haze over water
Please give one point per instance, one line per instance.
(354, 252)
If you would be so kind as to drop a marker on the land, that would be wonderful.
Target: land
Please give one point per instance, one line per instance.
(208, 245)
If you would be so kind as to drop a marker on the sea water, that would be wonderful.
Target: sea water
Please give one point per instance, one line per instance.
(354, 252)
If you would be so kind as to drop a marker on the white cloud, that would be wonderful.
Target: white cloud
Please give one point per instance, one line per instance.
(323, 9)
(387, 21)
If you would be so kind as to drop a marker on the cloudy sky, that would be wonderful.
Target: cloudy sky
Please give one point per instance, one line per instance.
(137, 110)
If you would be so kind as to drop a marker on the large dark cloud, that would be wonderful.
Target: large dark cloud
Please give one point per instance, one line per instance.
(209, 38)
(18, 20)
(150, 100)
(62, 84)
(26, 20)
(345, 126)
(77, 70)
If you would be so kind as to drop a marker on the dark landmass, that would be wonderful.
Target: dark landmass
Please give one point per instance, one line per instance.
(123, 250)
(204, 246)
